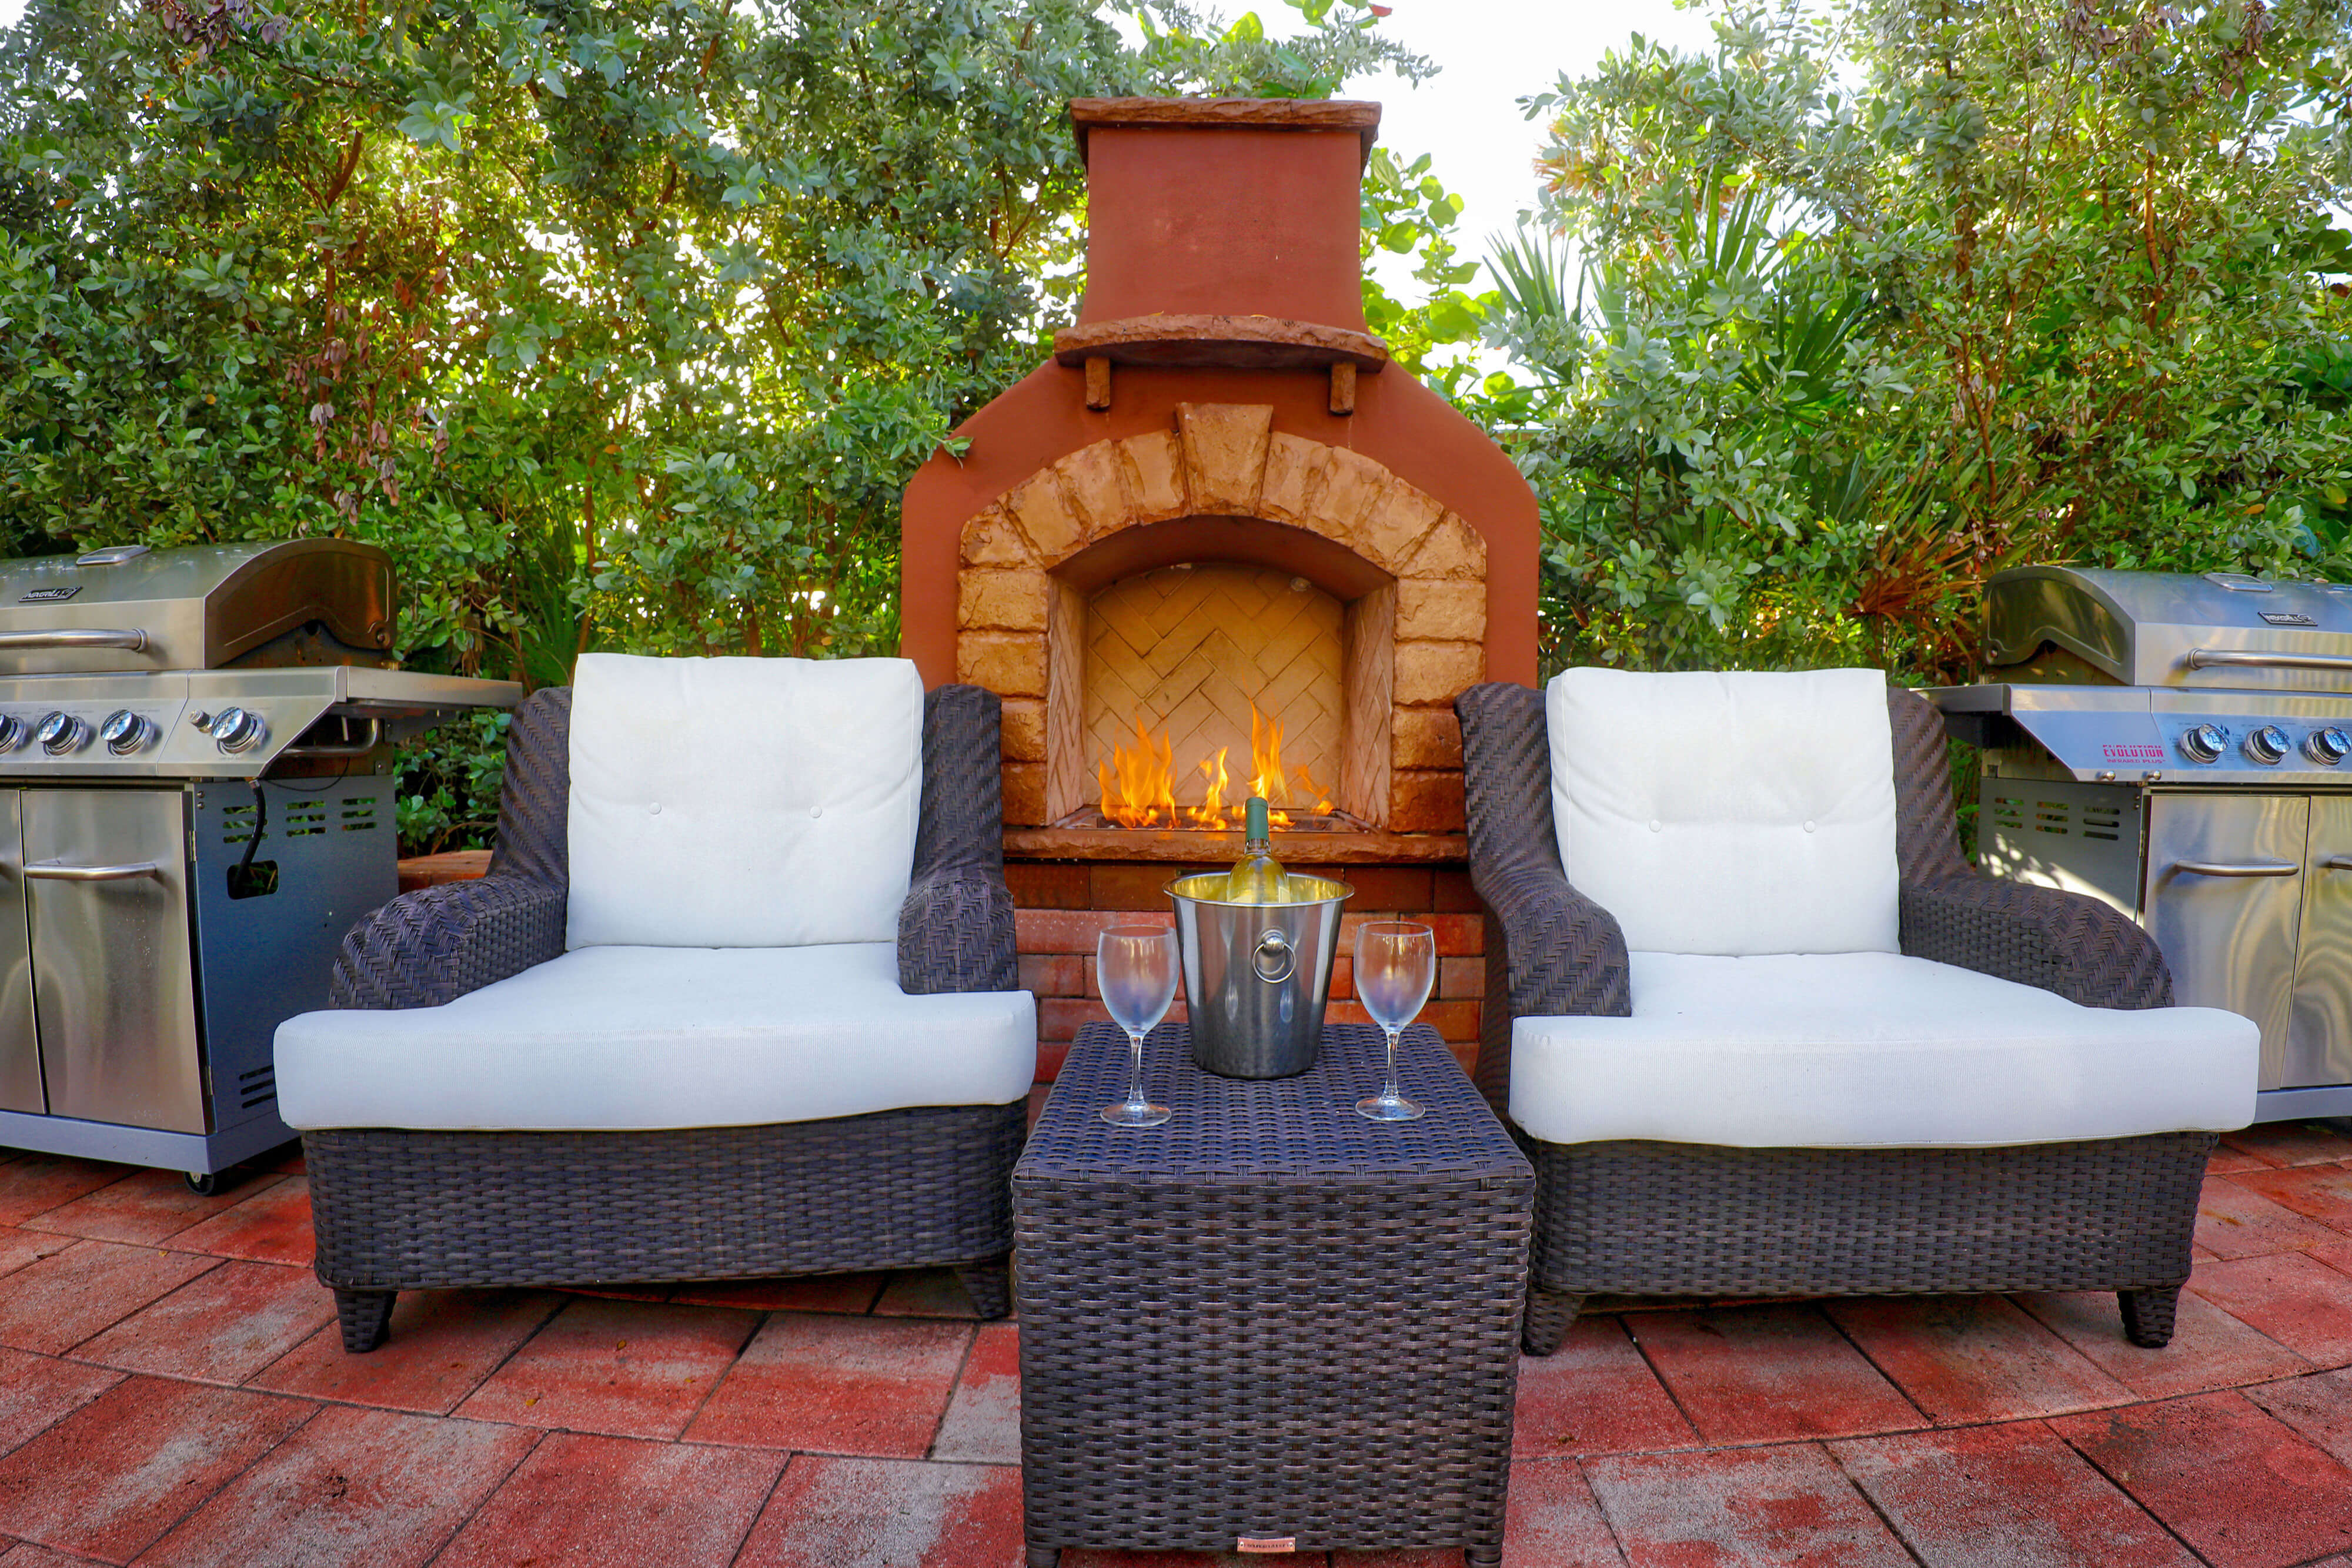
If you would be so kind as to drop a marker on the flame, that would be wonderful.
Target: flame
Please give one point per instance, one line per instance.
(1211, 812)
(1270, 780)
(1138, 784)
(1146, 780)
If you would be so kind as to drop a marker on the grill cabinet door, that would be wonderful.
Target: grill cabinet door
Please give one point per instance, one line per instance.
(2320, 1039)
(113, 981)
(2230, 940)
(20, 1045)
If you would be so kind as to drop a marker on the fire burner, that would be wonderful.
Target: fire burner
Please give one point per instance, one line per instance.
(1140, 784)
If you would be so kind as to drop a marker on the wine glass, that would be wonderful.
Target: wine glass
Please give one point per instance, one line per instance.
(1396, 963)
(1136, 968)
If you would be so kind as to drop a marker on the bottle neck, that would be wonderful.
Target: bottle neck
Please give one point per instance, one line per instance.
(1257, 846)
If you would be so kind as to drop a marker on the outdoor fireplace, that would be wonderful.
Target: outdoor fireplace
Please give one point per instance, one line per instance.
(1217, 528)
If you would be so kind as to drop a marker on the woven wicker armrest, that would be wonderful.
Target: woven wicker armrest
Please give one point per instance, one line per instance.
(1564, 954)
(2062, 942)
(955, 930)
(434, 945)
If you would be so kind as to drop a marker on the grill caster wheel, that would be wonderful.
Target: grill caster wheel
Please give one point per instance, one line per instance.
(204, 1184)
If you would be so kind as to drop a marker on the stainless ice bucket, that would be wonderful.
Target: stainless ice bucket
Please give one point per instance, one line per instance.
(1256, 975)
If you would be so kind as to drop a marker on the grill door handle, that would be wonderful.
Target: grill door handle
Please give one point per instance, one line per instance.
(2335, 862)
(93, 873)
(2225, 868)
(75, 637)
(2221, 658)
(342, 749)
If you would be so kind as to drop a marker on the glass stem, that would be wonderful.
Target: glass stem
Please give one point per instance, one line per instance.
(1134, 1068)
(1389, 1093)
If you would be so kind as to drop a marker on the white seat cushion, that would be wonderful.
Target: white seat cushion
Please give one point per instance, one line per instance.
(1871, 1050)
(743, 802)
(1736, 813)
(616, 1038)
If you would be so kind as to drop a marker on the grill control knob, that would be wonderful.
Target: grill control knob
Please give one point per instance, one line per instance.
(239, 729)
(13, 732)
(125, 732)
(2267, 745)
(60, 733)
(2327, 746)
(2204, 743)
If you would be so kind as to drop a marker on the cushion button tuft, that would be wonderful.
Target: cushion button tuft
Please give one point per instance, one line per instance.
(653, 808)
(1656, 826)
(1808, 827)
(816, 811)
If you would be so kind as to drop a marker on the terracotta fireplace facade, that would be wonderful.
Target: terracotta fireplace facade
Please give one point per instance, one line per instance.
(1087, 537)
(1220, 496)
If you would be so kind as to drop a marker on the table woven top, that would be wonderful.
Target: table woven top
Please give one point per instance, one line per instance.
(1244, 1130)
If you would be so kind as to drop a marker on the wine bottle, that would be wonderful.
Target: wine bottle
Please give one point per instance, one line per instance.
(1258, 877)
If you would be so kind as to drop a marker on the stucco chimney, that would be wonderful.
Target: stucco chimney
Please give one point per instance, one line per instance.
(1224, 206)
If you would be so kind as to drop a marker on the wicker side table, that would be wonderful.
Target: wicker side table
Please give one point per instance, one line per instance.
(1269, 1323)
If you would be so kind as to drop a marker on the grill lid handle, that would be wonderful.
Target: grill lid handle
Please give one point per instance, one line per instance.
(92, 872)
(2337, 863)
(2225, 868)
(75, 637)
(2220, 658)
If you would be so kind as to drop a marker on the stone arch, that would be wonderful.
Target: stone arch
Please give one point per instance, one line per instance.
(1226, 460)
(1222, 460)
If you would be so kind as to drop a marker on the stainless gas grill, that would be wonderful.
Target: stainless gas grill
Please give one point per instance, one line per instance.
(2181, 747)
(195, 804)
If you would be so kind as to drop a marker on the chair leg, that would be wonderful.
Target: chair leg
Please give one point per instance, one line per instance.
(1482, 1557)
(365, 1317)
(1045, 1557)
(2148, 1315)
(1550, 1315)
(989, 1283)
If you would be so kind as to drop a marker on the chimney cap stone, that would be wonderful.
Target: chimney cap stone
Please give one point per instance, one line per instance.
(1358, 115)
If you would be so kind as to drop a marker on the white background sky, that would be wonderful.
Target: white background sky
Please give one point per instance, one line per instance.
(1491, 52)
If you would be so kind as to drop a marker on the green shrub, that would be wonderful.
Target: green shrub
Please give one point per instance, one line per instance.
(1888, 295)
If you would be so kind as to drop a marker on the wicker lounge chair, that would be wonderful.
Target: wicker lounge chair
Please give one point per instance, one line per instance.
(1833, 1061)
(670, 1036)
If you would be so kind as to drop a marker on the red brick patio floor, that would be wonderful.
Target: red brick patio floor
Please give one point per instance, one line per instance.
(172, 1392)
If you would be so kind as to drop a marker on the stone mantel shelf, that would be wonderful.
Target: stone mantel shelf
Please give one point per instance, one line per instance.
(1358, 115)
(1368, 847)
(1228, 342)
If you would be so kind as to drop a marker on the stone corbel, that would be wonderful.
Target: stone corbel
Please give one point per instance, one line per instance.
(1220, 342)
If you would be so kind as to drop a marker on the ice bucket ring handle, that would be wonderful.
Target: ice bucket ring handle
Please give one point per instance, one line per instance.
(1274, 959)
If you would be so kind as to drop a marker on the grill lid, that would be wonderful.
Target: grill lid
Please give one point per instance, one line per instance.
(2076, 625)
(296, 601)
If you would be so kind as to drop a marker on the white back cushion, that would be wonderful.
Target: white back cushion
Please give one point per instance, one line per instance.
(1728, 813)
(743, 802)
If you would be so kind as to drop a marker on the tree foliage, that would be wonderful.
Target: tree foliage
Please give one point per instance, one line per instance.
(1888, 294)
(622, 323)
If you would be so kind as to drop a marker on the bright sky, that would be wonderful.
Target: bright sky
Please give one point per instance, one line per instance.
(1491, 53)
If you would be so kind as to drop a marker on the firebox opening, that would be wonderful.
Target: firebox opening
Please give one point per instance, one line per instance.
(1194, 663)
(1207, 684)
